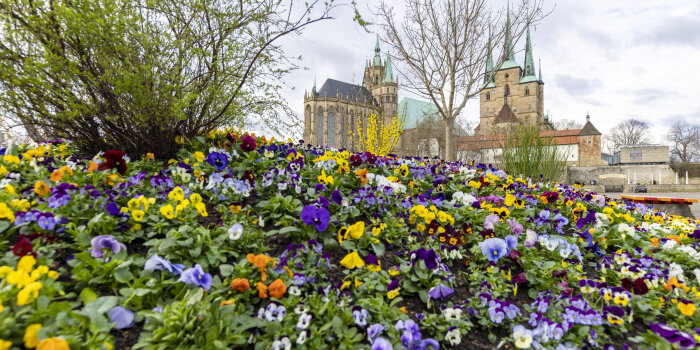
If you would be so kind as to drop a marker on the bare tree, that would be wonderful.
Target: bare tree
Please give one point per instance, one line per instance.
(683, 137)
(567, 124)
(442, 47)
(629, 132)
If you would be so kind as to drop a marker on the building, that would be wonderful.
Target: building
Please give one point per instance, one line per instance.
(334, 110)
(640, 154)
(513, 96)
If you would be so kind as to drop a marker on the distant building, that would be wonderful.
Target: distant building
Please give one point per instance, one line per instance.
(514, 96)
(641, 154)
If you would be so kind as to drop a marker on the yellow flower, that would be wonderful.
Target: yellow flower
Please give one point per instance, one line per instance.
(195, 198)
(28, 294)
(687, 309)
(6, 213)
(5, 345)
(53, 344)
(352, 260)
(138, 215)
(150, 156)
(11, 158)
(177, 194)
(167, 211)
(475, 184)
(393, 293)
(356, 230)
(31, 336)
(323, 179)
(1, 308)
(26, 264)
(509, 200)
(199, 156)
(202, 209)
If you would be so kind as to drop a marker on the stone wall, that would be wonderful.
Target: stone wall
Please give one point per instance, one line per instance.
(589, 147)
(643, 174)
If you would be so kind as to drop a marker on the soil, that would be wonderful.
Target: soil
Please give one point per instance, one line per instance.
(125, 339)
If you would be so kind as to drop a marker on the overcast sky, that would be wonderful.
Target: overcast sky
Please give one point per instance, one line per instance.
(615, 59)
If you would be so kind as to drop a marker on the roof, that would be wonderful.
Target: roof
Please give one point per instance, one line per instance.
(641, 145)
(559, 137)
(506, 115)
(413, 111)
(509, 64)
(589, 129)
(333, 88)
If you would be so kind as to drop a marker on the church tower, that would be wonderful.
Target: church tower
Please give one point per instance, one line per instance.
(379, 80)
(510, 93)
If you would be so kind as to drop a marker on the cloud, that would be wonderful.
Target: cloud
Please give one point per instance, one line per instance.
(648, 95)
(677, 30)
(575, 86)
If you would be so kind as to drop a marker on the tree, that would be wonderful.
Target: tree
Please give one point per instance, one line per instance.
(684, 138)
(381, 135)
(628, 132)
(133, 75)
(442, 48)
(567, 124)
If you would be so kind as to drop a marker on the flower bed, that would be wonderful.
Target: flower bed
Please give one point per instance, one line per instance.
(243, 242)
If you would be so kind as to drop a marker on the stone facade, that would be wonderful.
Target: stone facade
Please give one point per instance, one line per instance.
(335, 110)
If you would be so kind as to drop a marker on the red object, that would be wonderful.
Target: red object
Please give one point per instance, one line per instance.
(114, 159)
(23, 247)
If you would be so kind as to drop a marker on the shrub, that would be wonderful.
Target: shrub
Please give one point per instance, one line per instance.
(527, 153)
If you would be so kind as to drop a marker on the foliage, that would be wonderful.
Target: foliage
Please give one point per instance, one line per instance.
(527, 153)
(380, 136)
(133, 75)
(628, 132)
(241, 242)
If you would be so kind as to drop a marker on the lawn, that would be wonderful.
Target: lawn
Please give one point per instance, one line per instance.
(243, 242)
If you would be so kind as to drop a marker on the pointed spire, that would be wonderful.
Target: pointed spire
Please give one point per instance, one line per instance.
(388, 73)
(314, 89)
(540, 66)
(377, 58)
(529, 67)
(489, 60)
(508, 52)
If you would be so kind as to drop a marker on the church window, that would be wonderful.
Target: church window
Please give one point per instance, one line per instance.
(507, 93)
(527, 91)
(507, 75)
(488, 96)
(331, 127)
(319, 126)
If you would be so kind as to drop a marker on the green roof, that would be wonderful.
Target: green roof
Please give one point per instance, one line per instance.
(528, 79)
(413, 111)
(509, 64)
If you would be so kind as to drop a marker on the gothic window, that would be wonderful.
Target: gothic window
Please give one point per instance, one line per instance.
(507, 93)
(527, 91)
(488, 96)
(331, 127)
(319, 126)
(343, 129)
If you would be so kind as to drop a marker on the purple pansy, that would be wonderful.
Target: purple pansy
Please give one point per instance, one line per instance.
(440, 291)
(319, 217)
(123, 317)
(105, 242)
(217, 160)
(195, 276)
(157, 263)
(494, 249)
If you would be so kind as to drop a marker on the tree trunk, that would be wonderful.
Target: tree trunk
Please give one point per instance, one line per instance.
(449, 126)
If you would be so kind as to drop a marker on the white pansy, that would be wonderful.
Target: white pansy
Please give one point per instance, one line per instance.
(235, 232)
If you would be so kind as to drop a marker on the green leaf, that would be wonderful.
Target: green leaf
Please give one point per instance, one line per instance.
(288, 229)
(101, 304)
(4, 225)
(123, 275)
(87, 296)
(226, 269)
(548, 265)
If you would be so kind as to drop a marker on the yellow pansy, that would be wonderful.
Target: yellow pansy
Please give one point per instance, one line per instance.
(323, 179)
(356, 230)
(167, 211)
(202, 209)
(5, 345)
(53, 344)
(195, 198)
(138, 215)
(28, 294)
(6, 213)
(687, 309)
(352, 261)
(199, 156)
(11, 158)
(26, 264)
(393, 293)
(31, 336)
(177, 194)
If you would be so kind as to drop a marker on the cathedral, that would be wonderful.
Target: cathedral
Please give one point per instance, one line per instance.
(334, 110)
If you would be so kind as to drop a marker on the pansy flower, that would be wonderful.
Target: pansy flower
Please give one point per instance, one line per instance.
(319, 217)
(105, 242)
(195, 276)
(440, 291)
(494, 249)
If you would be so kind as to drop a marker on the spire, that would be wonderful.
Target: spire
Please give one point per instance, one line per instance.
(540, 66)
(508, 52)
(388, 73)
(529, 67)
(489, 61)
(314, 89)
(377, 59)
